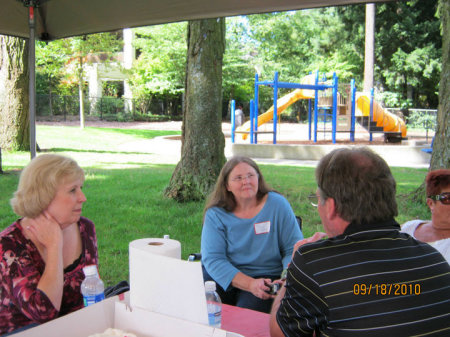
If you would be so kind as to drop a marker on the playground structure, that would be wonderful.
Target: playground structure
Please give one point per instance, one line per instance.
(325, 104)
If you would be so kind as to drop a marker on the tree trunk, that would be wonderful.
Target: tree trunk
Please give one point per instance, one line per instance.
(441, 146)
(14, 94)
(440, 157)
(369, 55)
(203, 143)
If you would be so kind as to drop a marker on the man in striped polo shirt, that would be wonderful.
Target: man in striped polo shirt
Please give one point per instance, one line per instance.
(366, 278)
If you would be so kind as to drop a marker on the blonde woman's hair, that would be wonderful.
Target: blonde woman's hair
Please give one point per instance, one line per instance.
(39, 181)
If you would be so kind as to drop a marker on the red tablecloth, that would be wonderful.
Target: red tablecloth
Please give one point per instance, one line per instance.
(246, 322)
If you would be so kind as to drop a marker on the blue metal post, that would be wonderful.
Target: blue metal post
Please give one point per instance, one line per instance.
(316, 102)
(256, 90)
(233, 120)
(252, 107)
(255, 124)
(371, 113)
(309, 119)
(334, 110)
(353, 120)
(255, 102)
(275, 108)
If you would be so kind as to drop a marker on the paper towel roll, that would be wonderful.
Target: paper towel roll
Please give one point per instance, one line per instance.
(161, 282)
(158, 246)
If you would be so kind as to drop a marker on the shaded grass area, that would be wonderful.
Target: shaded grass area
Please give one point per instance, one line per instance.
(91, 146)
(124, 191)
(99, 139)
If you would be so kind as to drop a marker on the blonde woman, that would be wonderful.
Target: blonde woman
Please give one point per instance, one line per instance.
(42, 254)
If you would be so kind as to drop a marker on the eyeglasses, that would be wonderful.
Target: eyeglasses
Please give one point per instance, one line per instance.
(240, 179)
(444, 198)
(313, 199)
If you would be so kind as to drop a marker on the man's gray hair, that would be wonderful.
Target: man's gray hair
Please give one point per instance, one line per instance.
(361, 184)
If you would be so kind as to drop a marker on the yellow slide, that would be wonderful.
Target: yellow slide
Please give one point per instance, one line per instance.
(385, 119)
(282, 104)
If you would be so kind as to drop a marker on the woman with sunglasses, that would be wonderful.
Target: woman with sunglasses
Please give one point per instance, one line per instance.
(436, 231)
(249, 232)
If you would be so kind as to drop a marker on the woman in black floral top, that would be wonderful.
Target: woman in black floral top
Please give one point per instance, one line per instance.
(43, 253)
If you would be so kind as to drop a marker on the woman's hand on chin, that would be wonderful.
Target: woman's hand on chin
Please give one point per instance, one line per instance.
(46, 230)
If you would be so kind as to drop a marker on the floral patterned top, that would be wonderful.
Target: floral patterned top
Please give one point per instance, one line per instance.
(21, 267)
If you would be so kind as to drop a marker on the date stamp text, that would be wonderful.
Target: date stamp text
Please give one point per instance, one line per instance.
(386, 289)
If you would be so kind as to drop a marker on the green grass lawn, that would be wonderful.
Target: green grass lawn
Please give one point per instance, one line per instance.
(124, 191)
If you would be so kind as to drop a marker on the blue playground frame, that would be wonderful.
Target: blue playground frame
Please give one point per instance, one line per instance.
(313, 113)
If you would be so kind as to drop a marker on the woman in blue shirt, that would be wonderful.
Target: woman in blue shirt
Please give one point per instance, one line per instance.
(249, 232)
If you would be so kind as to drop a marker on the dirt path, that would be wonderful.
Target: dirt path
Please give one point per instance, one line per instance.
(287, 133)
(172, 126)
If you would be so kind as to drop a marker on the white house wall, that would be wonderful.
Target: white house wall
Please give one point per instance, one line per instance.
(99, 72)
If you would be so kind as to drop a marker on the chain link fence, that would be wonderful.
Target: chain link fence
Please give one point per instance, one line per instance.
(108, 108)
(423, 119)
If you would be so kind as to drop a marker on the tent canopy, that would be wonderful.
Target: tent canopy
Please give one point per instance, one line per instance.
(63, 18)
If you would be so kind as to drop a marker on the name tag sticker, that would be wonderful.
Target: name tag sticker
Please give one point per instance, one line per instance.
(262, 227)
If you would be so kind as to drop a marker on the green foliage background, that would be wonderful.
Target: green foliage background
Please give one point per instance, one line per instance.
(407, 54)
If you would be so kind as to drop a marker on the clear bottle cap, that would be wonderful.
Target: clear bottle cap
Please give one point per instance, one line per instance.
(210, 286)
(90, 270)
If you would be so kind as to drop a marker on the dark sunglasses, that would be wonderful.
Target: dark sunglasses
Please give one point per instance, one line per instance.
(443, 197)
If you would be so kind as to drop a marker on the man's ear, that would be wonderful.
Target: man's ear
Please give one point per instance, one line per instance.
(336, 223)
(330, 206)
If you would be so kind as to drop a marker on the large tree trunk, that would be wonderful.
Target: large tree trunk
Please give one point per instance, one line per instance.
(440, 157)
(202, 151)
(441, 146)
(14, 94)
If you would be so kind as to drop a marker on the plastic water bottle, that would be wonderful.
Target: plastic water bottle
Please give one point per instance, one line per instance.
(213, 304)
(92, 287)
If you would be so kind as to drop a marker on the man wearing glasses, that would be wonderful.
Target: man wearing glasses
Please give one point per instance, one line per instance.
(366, 278)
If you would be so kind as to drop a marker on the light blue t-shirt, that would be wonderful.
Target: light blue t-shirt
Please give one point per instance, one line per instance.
(258, 246)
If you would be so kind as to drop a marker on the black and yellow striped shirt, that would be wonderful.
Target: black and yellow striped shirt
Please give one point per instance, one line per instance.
(370, 281)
